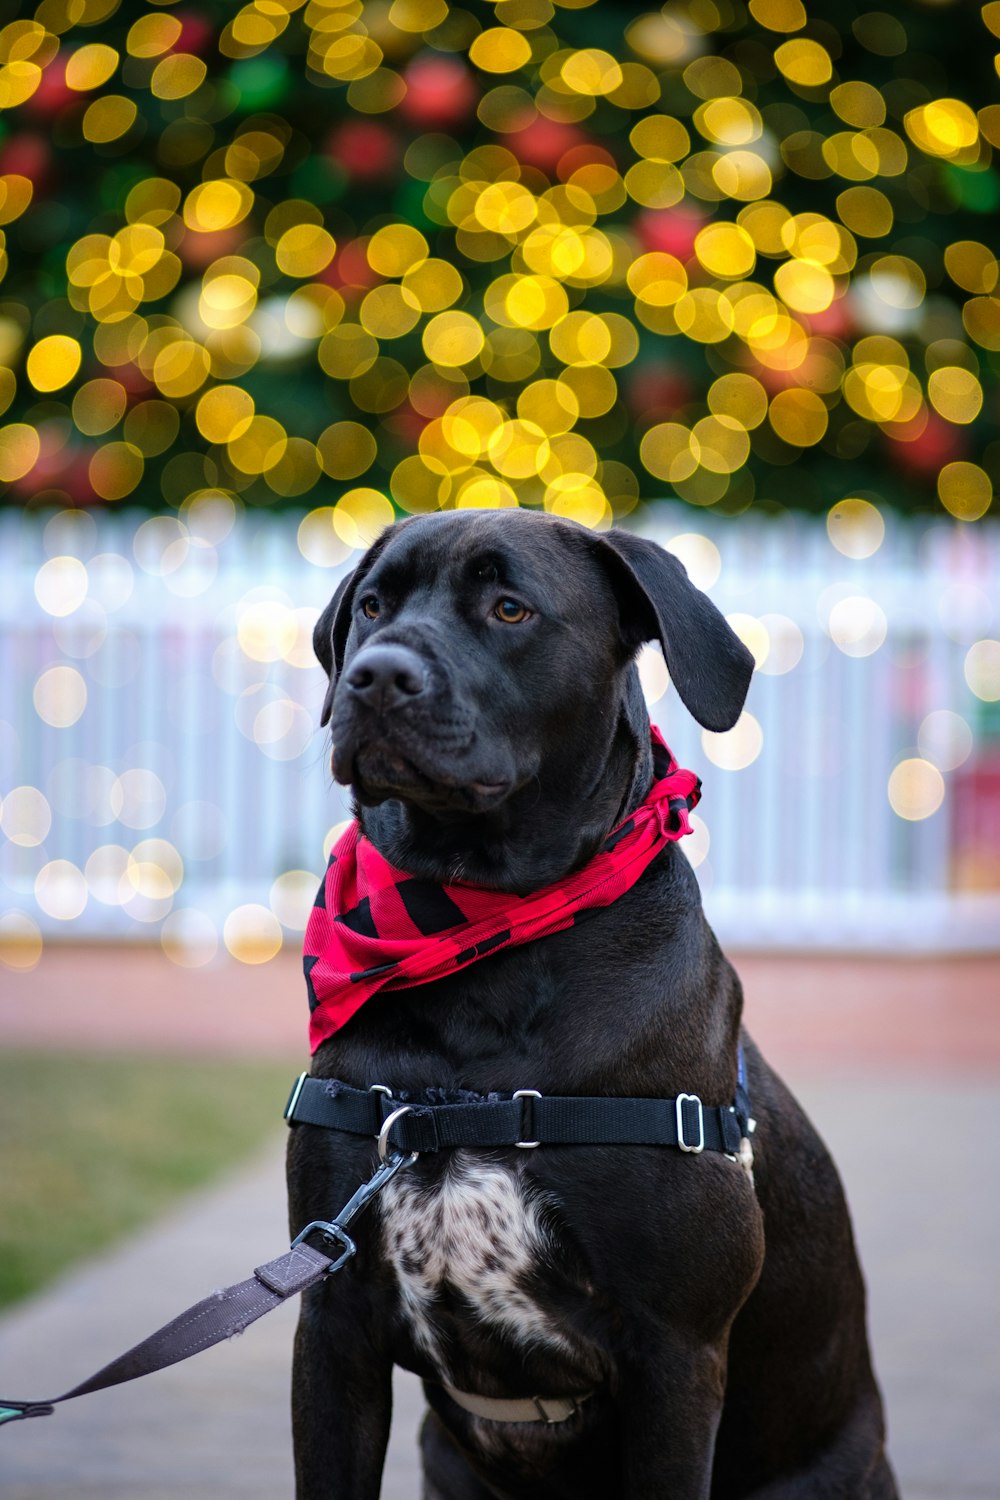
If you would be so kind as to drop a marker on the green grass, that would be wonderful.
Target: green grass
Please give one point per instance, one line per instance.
(94, 1146)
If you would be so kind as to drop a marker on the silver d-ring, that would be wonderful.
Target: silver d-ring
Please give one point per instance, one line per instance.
(387, 1124)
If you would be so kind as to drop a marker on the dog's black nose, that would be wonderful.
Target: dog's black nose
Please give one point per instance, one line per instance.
(386, 676)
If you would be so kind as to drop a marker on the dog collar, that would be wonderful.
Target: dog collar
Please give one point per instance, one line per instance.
(374, 927)
(437, 1121)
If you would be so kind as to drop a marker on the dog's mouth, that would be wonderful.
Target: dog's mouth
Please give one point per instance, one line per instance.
(378, 769)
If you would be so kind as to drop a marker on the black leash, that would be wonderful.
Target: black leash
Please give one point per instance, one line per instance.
(406, 1127)
(223, 1314)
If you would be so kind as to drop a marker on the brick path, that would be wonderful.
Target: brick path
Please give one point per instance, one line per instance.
(905, 1087)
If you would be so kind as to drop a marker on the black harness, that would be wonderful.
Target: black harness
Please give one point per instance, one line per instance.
(406, 1126)
(438, 1121)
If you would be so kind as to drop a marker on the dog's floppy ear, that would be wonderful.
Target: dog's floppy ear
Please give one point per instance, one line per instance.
(708, 663)
(334, 624)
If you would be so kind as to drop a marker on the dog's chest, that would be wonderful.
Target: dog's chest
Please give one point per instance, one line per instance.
(471, 1244)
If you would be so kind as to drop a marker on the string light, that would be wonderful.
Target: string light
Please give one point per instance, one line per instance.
(275, 250)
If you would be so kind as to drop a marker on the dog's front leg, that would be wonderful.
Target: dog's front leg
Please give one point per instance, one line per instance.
(341, 1396)
(670, 1408)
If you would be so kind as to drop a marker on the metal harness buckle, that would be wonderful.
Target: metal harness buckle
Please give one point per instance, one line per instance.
(682, 1140)
(550, 1421)
(525, 1120)
(294, 1096)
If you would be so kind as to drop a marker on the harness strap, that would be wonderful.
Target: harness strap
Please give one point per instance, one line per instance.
(547, 1409)
(523, 1119)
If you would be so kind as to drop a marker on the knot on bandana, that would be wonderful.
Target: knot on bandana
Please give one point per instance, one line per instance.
(374, 927)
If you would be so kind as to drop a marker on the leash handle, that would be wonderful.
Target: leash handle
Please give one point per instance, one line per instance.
(223, 1314)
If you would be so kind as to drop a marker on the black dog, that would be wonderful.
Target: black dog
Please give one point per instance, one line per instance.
(487, 712)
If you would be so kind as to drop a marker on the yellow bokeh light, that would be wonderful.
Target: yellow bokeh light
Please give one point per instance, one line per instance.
(154, 868)
(109, 118)
(177, 76)
(452, 339)
(252, 934)
(916, 789)
(981, 668)
(754, 635)
(218, 204)
(500, 49)
(660, 138)
(725, 250)
(858, 104)
(25, 816)
(804, 285)
(705, 315)
(734, 749)
(360, 515)
(945, 127)
(395, 249)
(855, 527)
(436, 284)
(266, 630)
(668, 452)
(955, 393)
(304, 250)
(20, 942)
(318, 540)
(779, 15)
(804, 62)
(965, 490)
(60, 696)
(657, 278)
(223, 413)
(90, 66)
(799, 416)
(53, 362)
(291, 898)
(741, 397)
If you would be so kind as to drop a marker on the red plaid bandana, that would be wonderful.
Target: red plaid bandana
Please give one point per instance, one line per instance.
(376, 928)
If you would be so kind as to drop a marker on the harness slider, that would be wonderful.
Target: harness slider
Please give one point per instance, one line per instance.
(699, 1143)
(526, 1114)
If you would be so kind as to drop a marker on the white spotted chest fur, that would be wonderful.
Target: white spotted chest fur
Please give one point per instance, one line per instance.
(476, 1232)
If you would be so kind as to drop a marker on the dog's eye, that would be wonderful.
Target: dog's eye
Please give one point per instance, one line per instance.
(370, 607)
(510, 612)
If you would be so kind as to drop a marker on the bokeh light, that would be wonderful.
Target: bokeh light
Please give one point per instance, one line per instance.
(252, 933)
(356, 262)
(735, 748)
(20, 941)
(916, 789)
(255, 251)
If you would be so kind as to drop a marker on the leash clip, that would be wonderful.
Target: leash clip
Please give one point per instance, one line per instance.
(330, 1230)
(333, 1229)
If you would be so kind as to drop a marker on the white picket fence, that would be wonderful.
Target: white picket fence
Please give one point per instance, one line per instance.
(803, 849)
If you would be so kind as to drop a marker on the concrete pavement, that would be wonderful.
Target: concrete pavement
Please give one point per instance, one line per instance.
(916, 1155)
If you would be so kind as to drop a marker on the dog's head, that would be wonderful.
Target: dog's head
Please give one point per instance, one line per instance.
(472, 653)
